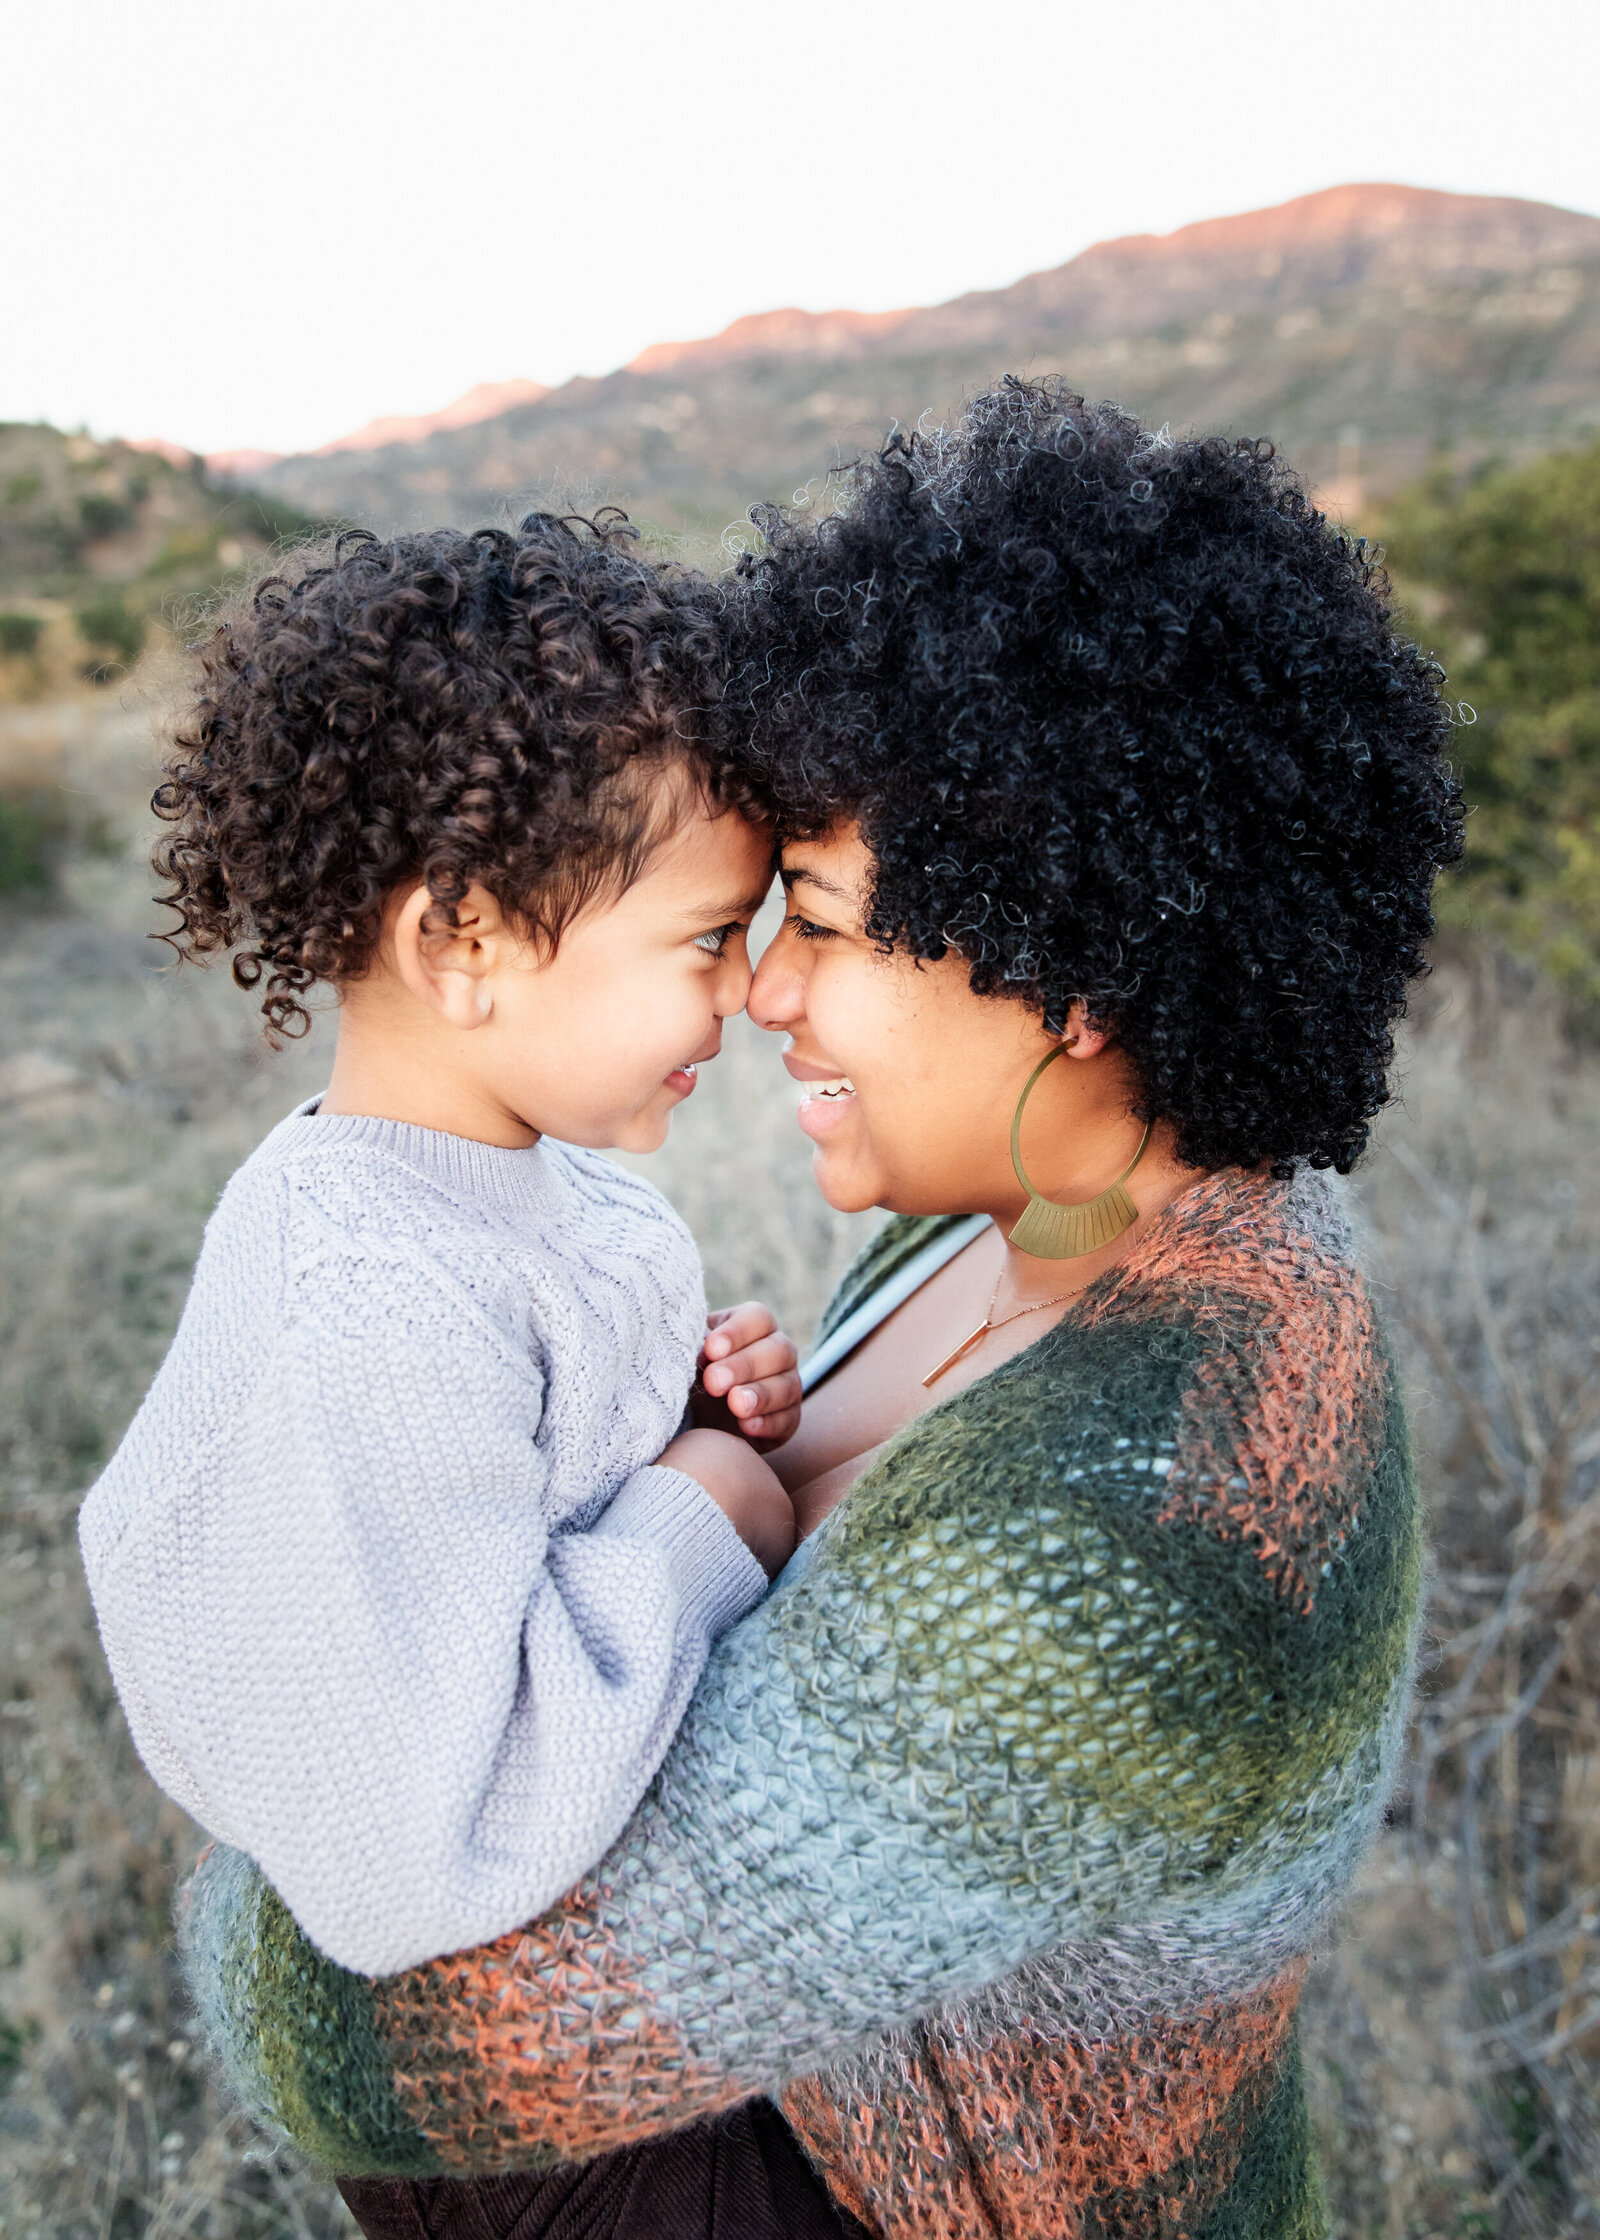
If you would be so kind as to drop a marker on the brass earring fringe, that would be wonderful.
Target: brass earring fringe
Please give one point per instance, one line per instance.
(1052, 1232)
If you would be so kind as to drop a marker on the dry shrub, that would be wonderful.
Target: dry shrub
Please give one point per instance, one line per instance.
(1484, 1211)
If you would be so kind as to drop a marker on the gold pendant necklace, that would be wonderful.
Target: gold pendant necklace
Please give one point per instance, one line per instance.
(986, 1325)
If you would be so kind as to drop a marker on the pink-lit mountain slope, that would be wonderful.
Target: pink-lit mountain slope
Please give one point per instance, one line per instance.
(1367, 330)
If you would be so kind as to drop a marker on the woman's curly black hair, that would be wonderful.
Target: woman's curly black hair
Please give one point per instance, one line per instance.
(456, 709)
(1123, 720)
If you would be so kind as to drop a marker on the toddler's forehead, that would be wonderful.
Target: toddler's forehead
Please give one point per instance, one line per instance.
(714, 858)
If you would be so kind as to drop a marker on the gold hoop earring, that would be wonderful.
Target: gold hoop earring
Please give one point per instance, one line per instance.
(1054, 1232)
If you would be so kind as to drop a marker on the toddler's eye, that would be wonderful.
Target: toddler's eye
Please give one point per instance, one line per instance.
(717, 939)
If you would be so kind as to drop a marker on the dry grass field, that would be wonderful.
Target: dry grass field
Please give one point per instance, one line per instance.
(1452, 2035)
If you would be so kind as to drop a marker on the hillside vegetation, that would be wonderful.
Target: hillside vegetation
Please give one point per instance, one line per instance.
(98, 541)
(1506, 570)
(105, 549)
(1368, 330)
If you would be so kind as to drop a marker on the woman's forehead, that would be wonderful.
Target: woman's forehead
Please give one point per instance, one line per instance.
(837, 863)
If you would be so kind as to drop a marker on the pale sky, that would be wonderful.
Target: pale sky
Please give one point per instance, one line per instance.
(264, 224)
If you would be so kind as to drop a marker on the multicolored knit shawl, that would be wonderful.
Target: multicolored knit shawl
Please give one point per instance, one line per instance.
(996, 1839)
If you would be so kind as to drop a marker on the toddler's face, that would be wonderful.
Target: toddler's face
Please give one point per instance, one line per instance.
(596, 1045)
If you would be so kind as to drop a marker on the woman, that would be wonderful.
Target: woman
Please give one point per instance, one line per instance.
(996, 1839)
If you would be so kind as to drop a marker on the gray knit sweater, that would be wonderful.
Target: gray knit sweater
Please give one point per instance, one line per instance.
(394, 1598)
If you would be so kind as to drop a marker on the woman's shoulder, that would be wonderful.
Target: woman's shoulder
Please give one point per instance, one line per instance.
(1239, 1255)
(1168, 1557)
(1224, 1395)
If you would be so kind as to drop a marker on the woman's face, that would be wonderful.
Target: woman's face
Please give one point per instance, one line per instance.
(910, 1078)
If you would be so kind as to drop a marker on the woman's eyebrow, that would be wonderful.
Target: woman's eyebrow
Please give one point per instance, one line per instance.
(792, 878)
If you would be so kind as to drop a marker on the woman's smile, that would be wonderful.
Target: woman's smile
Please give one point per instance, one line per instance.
(827, 1094)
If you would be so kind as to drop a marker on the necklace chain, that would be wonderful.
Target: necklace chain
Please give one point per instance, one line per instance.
(987, 1324)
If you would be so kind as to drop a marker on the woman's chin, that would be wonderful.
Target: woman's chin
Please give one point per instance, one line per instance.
(849, 1183)
(845, 1191)
(839, 1167)
(823, 1118)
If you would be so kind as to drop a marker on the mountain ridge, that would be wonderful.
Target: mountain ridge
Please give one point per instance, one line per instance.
(485, 400)
(1507, 234)
(1368, 328)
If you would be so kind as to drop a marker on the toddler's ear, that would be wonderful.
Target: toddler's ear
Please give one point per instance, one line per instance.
(449, 967)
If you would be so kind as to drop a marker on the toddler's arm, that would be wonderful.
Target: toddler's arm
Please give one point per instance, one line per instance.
(749, 1387)
(744, 1489)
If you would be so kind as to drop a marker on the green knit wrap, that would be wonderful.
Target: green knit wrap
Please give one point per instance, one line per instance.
(996, 1839)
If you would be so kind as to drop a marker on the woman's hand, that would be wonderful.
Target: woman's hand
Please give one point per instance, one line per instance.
(748, 1378)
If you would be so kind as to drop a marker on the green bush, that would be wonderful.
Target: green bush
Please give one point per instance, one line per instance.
(19, 635)
(114, 630)
(15, 2038)
(1512, 561)
(103, 516)
(189, 551)
(28, 839)
(42, 827)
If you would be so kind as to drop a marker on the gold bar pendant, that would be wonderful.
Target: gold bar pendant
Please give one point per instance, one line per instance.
(951, 1359)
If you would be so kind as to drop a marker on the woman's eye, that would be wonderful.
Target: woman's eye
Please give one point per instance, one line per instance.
(717, 939)
(804, 929)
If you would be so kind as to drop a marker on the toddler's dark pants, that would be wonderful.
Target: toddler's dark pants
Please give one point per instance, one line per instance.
(741, 2177)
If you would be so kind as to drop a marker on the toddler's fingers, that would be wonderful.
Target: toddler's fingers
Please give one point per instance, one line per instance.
(730, 1328)
(766, 1396)
(771, 1431)
(769, 1357)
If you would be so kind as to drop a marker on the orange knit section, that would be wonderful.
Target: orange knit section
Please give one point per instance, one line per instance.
(1018, 2136)
(898, 2165)
(1277, 1434)
(538, 2048)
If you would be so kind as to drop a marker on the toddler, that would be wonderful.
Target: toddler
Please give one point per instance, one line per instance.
(406, 1568)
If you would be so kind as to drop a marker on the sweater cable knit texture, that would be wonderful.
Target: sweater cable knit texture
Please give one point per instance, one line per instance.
(996, 1839)
(394, 1594)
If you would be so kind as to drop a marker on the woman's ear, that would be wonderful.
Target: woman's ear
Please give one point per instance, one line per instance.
(448, 967)
(1081, 1039)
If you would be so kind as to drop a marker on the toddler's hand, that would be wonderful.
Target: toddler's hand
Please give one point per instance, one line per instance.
(748, 1381)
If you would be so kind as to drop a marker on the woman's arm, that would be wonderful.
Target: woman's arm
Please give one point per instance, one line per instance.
(1003, 1704)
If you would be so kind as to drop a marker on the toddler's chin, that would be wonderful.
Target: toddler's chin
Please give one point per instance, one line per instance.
(646, 1130)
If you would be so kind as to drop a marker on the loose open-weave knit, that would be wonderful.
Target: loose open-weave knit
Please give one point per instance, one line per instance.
(995, 1841)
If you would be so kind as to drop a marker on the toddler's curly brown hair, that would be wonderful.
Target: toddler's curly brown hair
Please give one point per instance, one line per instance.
(516, 710)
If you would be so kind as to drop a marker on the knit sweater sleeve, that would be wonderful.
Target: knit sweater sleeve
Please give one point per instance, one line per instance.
(1008, 1702)
(354, 1646)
